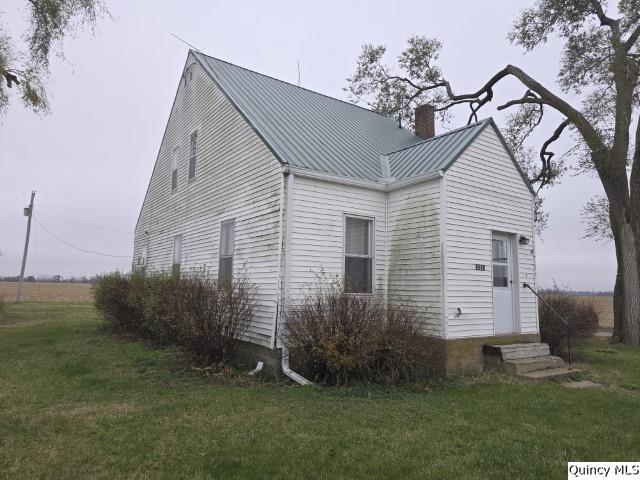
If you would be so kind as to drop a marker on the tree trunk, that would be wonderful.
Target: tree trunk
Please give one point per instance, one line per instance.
(618, 307)
(631, 279)
(627, 322)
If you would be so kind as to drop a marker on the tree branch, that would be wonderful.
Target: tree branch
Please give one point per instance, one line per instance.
(612, 23)
(544, 176)
(633, 38)
(528, 97)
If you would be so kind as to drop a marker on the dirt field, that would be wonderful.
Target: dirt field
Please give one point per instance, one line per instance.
(48, 292)
(603, 306)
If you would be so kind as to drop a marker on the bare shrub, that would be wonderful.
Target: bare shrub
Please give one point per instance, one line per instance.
(581, 316)
(3, 308)
(194, 312)
(335, 337)
(213, 317)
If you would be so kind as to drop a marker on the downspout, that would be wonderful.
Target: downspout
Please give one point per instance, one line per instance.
(286, 369)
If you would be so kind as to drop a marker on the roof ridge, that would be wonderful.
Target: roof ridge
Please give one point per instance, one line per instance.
(455, 130)
(292, 85)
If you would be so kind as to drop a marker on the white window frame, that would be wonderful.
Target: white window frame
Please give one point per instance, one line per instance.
(175, 166)
(232, 222)
(372, 250)
(191, 179)
(143, 256)
(176, 266)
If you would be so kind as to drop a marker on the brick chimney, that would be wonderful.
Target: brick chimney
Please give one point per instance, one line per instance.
(425, 121)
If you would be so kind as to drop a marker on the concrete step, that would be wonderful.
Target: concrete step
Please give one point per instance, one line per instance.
(517, 350)
(550, 373)
(526, 365)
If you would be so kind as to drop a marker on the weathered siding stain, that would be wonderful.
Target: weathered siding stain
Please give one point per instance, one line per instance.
(414, 252)
(317, 236)
(236, 177)
(485, 192)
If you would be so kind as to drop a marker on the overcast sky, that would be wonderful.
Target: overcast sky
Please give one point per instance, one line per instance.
(91, 158)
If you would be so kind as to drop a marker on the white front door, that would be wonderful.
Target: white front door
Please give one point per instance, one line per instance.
(503, 318)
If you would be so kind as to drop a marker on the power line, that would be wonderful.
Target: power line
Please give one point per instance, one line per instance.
(88, 194)
(76, 247)
(86, 225)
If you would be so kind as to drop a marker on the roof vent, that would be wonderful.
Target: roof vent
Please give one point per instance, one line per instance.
(425, 121)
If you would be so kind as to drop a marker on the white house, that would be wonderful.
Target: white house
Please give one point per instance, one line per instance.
(260, 174)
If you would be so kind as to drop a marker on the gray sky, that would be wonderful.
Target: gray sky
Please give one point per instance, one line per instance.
(90, 160)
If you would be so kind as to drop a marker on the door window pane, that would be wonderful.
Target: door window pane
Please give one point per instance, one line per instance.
(499, 248)
(500, 277)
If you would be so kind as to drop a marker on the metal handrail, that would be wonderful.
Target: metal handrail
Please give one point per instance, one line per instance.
(526, 285)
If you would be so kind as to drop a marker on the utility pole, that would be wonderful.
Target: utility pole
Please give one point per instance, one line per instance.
(28, 212)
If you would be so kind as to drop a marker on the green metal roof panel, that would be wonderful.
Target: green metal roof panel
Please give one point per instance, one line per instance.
(307, 129)
(436, 153)
(310, 130)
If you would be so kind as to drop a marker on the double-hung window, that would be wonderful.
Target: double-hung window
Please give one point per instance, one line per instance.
(177, 254)
(174, 169)
(142, 260)
(193, 154)
(227, 240)
(358, 255)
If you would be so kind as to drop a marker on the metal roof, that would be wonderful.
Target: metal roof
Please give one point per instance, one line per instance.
(309, 130)
(436, 153)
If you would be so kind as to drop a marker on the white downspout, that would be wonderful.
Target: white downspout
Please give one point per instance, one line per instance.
(288, 185)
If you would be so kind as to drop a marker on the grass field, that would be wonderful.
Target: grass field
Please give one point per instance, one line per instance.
(78, 403)
(47, 292)
(603, 306)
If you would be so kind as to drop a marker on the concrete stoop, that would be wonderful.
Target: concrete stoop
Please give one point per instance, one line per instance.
(528, 360)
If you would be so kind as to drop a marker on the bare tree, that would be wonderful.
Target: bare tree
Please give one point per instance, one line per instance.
(50, 21)
(599, 63)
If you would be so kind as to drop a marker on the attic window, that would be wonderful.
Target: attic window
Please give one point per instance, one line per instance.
(193, 154)
(174, 170)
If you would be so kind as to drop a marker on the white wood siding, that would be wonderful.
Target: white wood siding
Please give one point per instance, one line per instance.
(236, 177)
(317, 232)
(485, 192)
(414, 255)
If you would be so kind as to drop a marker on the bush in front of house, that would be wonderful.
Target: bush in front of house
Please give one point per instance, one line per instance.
(334, 338)
(581, 316)
(194, 312)
(3, 308)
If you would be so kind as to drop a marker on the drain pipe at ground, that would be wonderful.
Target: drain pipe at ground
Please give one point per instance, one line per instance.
(296, 377)
(288, 191)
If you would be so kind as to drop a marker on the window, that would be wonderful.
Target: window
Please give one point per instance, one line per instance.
(358, 258)
(177, 254)
(142, 261)
(174, 170)
(193, 153)
(227, 240)
(500, 263)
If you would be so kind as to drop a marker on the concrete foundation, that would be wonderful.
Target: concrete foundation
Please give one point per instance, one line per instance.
(249, 354)
(444, 357)
(464, 355)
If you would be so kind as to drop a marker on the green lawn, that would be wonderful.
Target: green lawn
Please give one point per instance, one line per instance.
(78, 403)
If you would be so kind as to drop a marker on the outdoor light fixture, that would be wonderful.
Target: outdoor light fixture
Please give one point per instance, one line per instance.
(523, 240)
